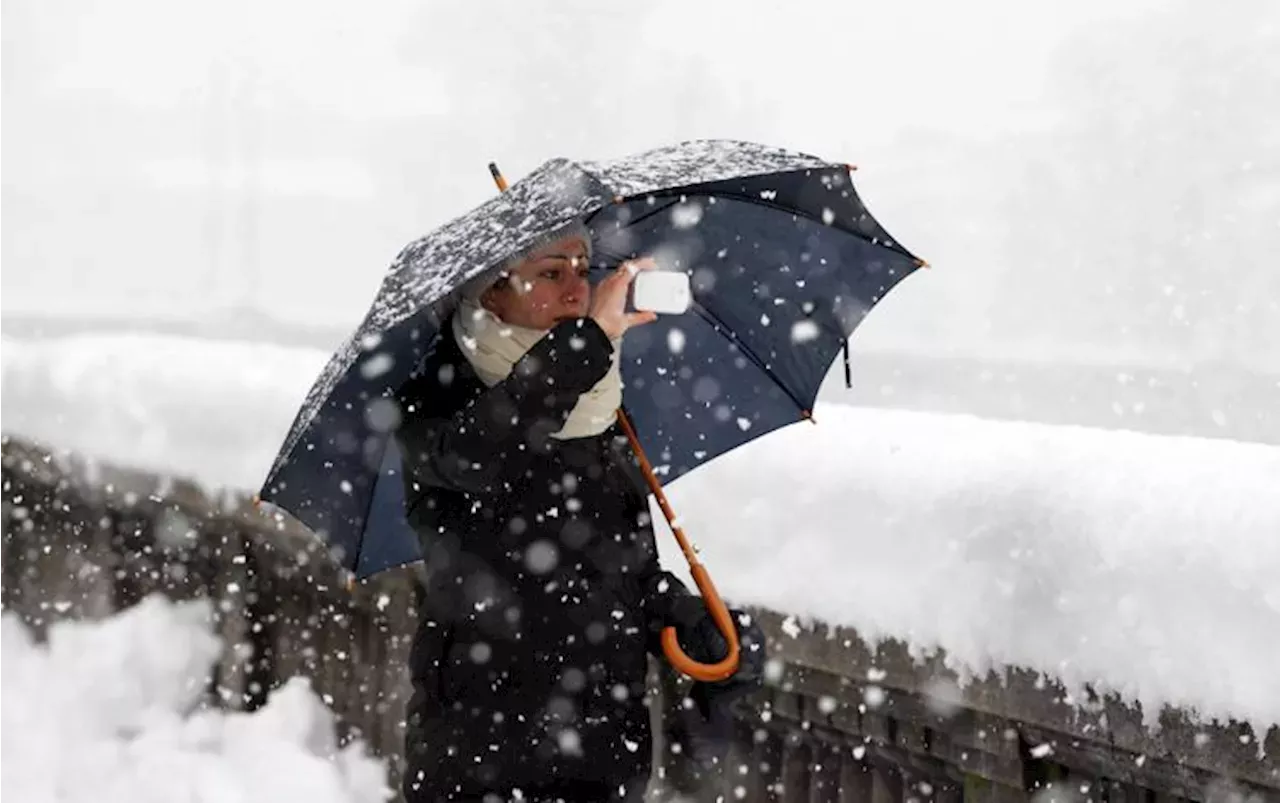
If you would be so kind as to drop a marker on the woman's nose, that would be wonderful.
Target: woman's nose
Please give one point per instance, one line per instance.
(577, 289)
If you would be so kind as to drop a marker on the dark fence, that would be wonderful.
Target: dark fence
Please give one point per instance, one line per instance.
(837, 721)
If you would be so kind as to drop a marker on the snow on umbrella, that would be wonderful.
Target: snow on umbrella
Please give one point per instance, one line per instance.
(785, 261)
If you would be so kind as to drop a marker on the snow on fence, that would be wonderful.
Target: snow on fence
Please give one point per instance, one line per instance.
(840, 720)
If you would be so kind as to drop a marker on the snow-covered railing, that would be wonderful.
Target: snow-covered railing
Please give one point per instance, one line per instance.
(839, 719)
(843, 721)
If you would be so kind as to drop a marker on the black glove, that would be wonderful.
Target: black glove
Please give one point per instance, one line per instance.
(669, 603)
(714, 699)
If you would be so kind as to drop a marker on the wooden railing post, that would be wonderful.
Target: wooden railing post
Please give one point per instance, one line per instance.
(855, 779)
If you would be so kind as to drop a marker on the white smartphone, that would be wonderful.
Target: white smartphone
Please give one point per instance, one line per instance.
(662, 291)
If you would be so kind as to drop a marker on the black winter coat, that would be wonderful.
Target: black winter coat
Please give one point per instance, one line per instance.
(544, 594)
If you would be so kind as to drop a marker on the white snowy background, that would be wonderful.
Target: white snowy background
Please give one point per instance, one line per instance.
(1062, 447)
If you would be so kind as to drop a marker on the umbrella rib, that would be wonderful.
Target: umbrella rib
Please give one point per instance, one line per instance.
(657, 211)
(747, 351)
(368, 509)
(398, 476)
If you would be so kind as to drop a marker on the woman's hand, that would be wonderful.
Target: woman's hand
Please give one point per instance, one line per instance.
(609, 300)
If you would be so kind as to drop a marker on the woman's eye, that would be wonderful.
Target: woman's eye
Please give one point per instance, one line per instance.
(551, 275)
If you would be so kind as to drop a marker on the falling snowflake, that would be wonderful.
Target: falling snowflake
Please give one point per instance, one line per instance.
(382, 414)
(686, 215)
(675, 340)
(570, 742)
(541, 556)
(943, 697)
(803, 331)
(706, 389)
(789, 625)
(377, 365)
(773, 670)
(874, 696)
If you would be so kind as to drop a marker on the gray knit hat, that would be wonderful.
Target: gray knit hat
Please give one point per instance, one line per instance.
(475, 288)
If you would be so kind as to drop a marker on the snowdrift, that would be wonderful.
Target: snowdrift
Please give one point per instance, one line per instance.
(111, 711)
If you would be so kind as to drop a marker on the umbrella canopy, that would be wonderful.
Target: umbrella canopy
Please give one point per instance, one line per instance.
(785, 261)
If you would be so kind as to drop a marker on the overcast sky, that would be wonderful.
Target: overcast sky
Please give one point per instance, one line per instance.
(160, 157)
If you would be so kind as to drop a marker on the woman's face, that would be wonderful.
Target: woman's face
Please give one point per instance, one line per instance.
(548, 287)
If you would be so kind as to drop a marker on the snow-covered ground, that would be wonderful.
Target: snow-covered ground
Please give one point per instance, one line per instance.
(110, 711)
(1143, 564)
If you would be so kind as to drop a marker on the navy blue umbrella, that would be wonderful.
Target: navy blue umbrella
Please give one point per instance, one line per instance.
(785, 262)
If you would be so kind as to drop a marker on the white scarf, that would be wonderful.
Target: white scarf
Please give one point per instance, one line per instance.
(493, 348)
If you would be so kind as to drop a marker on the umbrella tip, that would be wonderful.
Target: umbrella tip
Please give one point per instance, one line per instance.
(852, 167)
(922, 263)
(497, 176)
(807, 415)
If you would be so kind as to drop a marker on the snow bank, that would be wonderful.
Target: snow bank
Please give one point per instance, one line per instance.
(1143, 564)
(109, 711)
(1146, 565)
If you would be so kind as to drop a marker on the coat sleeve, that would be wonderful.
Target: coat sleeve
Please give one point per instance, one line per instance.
(489, 442)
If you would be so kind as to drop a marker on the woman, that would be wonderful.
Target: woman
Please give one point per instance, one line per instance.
(544, 594)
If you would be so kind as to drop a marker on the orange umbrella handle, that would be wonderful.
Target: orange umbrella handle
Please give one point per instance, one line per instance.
(708, 673)
(719, 611)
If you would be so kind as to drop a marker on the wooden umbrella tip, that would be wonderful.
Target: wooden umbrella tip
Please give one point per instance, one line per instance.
(923, 263)
(497, 177)
(807, 415)
(852, 167)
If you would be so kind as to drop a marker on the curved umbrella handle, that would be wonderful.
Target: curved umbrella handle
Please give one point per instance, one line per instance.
(707, 673)
(711, 598)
